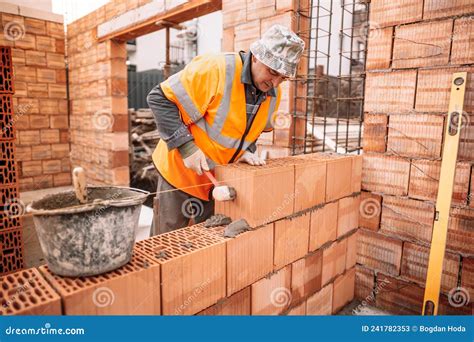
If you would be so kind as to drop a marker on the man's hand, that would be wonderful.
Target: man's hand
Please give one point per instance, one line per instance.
(197, 162)
(251, 158)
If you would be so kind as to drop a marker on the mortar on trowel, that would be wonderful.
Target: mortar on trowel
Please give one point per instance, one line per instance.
(90, 230)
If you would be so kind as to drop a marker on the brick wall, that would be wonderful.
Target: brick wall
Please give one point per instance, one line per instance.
(244, 22)
(98, 97)
(40, 100)
(414, 47)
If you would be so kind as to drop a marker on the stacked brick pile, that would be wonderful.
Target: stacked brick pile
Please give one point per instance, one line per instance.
(98, 93)
(40, 100)
(414, 48)
(299, 258)
(244, 22)
(11, 239)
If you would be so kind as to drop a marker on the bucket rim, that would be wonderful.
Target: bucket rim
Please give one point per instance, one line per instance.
(123, 202)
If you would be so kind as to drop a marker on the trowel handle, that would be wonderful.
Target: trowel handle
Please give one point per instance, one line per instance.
(79, 182)
(211, 178)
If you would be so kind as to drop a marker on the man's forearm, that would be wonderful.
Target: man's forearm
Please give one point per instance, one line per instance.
(172, 130)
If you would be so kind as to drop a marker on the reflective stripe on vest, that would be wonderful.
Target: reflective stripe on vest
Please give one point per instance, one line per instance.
(214, 131)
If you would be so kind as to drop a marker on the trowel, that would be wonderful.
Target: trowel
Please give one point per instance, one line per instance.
(221, 192)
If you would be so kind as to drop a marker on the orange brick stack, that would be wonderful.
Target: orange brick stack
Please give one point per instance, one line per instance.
(40, 100)
(11, 233)
(299, 261)
(98, 93)
(245, 22)
(414, 48)
(300, 256)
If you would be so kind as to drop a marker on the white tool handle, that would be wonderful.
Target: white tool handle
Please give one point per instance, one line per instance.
(79, 182)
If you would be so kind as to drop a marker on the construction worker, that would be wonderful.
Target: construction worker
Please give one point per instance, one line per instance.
(212, 112)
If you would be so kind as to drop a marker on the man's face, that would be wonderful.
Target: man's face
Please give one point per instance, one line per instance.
(264, 77)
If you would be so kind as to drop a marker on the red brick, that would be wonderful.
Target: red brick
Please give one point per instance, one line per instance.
(39, 121)
(416, 135)
(257, 9)
(424, 182)
(23, 153)
(51, 166)
(321, 302)
(55, 60)
(109, 293)
(392, 92)
(310, 184)
(467, 275)
(27, 42)
(389, 13)
(31, 168)
(43, 181)
(356, 177)
(26, 292)
(379, 51)
(45, 43)
(434, 88)
(379, 252)
(460, 231)
(306, 276)
(446, 8)
(49, 136)
(466, 140)
(422, 44)
(37, 58)
(35, 26)
(11, 239)
(323, 226)
(364, 283)
(41, 152)
(463, 41)
(45, 75)
(272, 295)
(334, 260)
(246, 33)
(264, 193)
(370, 210)
(236, 305)
(343, 291)
(407, 218)
(347, 215)
(385, 174)
(299, 310)
(184, 292)
(338, 184)
(25, 73)
(62, 179)
(399, 297)
(404, 298)
(351, 253)
(249, 256)
(59, 121)
(284, 5)
(286, 19)
(57, 91)
(415, 266)
(37, 90)
(291, 240)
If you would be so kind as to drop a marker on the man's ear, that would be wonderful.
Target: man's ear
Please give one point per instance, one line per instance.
(254, 59)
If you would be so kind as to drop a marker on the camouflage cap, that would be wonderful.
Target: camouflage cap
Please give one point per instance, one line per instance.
(279, 49)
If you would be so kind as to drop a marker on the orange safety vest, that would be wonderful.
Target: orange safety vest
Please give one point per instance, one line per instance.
(211, 101)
